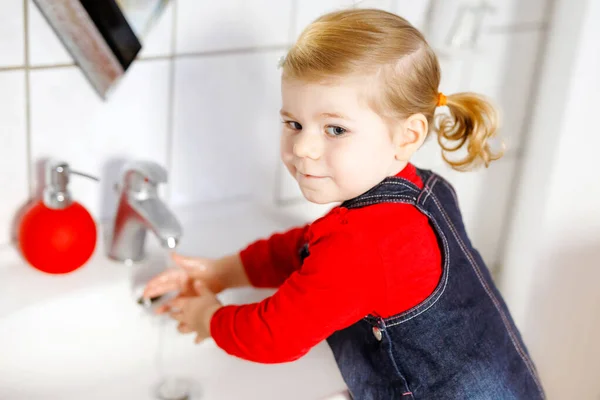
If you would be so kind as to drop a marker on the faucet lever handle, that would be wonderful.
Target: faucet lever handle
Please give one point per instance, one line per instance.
(150, 171)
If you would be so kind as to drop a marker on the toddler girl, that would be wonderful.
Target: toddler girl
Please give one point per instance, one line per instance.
(389, 277)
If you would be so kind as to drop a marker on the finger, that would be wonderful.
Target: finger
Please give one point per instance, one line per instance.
(162, 309)
(177, 315)
(199, 288)
(178, 303)
(195, 267)
(198, 339)
(175, 304)
(164, 282)
(188, 289)
(184, 328)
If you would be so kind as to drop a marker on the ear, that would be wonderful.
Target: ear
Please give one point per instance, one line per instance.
(409, 136)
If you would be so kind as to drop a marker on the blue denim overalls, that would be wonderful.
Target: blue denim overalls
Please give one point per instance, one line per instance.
(460, 343)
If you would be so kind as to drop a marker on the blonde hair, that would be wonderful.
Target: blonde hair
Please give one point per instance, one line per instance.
(387, 47)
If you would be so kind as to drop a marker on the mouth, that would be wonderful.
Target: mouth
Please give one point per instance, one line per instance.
(308, 176)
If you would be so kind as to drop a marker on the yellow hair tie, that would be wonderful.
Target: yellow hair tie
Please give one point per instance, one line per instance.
(441, 99)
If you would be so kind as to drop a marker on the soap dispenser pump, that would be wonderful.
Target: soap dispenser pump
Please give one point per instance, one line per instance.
(57, 235)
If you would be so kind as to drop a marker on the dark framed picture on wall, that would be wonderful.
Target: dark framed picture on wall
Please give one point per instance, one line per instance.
(103, 37)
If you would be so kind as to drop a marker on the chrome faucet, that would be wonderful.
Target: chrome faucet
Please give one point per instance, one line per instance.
(139, 210)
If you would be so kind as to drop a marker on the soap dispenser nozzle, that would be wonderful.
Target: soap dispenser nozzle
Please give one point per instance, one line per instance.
(56, 192)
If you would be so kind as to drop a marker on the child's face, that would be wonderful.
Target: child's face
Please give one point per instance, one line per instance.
(333, 143)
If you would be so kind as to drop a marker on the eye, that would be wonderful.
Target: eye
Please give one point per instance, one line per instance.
(335, 130)
(293, 125)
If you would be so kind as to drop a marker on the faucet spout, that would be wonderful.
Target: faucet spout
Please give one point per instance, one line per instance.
(140, 210)
(156, 216)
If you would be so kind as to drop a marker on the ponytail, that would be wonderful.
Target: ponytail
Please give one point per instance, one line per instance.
(471, 123)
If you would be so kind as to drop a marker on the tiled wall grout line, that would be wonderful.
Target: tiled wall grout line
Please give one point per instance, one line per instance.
(171, 100)
(51, 66)
(241, 50)
(12, 68)
(533, 27)
(28, 157)
(246, 50)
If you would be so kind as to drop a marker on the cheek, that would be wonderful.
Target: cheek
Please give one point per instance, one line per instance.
(347, 160)
(362, 162)
(286, 147)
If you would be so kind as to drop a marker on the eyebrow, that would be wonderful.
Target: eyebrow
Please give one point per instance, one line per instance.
(286, 114)
(330, 115)
(335, 115)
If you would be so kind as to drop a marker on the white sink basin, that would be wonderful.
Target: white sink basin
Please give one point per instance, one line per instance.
(83, 336)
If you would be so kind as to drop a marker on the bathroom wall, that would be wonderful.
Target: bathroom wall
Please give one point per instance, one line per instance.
(551, 272)
(203, 100)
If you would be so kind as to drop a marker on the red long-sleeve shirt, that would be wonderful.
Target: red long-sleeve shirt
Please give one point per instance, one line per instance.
(381, 259)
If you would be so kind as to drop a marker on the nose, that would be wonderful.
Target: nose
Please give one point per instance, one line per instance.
(308, 145)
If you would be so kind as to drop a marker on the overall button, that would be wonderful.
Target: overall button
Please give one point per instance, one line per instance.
(377, 333)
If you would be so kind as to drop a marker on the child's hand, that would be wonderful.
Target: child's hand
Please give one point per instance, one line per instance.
(195, 312)
(181, 279)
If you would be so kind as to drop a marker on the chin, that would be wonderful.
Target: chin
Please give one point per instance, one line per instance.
(318, 198)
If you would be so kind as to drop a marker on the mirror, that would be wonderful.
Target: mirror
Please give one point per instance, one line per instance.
(103, 37)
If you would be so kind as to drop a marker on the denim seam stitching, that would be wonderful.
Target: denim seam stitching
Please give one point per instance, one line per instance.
(378, 196)
(398, 182)
(427, 190)
(395, 182)
(492, 297)
(391, 355)
(434, 180)
(437, 294)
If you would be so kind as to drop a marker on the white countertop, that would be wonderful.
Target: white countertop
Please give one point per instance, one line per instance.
(82, 335)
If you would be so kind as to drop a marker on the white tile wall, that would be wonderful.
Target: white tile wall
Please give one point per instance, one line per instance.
(308, 11)
(515, 12)
(446, 18)
(11, 34)
(70, 122)
(504, 69)
(505, 59)
(224, 129)
(225, 24)
(387, 5)
(158, 42)
(44, 46)
(13, 153)
(226, 126)
(414, 11)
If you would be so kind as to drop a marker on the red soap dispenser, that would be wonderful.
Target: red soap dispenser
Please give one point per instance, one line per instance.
(57, 235)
